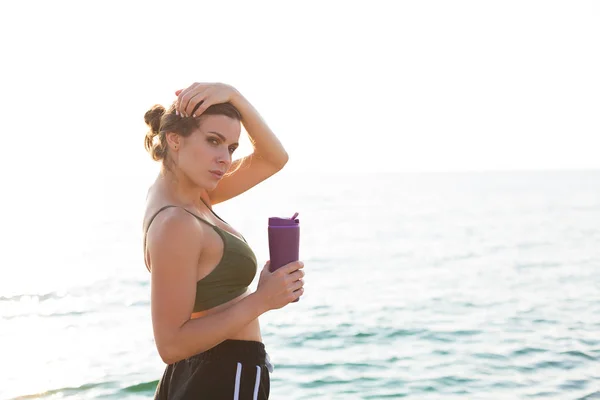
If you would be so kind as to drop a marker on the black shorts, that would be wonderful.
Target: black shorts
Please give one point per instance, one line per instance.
(232, 370)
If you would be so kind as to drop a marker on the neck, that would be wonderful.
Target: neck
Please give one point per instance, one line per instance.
(180, 187)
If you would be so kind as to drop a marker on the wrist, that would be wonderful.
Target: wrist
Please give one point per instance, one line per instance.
(236, 98)
(257, 303)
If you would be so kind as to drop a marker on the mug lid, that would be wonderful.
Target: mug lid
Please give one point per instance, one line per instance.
(277, 221)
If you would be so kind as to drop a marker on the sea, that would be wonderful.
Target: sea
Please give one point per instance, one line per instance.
(454, 285)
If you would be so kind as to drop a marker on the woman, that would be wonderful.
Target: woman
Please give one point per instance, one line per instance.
(205, 320)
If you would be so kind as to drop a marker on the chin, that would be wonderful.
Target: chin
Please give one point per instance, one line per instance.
(206, 184)
(211, 184)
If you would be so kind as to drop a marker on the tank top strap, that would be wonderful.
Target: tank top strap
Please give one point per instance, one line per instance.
(154, 216)
(169, 206)
(211, 210)
(200, 219)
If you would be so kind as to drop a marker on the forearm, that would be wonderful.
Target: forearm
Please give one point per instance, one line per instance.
(200, 334)
(266, 145)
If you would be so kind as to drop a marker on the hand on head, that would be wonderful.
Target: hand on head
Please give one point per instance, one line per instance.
(194, 100)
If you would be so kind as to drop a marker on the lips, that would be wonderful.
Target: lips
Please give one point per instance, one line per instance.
(218, 173)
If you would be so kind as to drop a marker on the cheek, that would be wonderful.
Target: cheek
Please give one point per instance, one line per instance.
(194, 157)
(195, 148)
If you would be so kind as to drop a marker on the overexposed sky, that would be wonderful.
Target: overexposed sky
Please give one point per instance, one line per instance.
(346, 85)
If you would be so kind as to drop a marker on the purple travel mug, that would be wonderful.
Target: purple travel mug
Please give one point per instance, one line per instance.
(284, 241)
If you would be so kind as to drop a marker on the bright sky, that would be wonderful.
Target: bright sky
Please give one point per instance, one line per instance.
(346, 85)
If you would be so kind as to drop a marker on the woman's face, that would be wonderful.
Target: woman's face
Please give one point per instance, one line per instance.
(208, 148)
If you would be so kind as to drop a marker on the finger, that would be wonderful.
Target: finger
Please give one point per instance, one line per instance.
(293, 267)
(294, 276)
(297, 285)
(194, 103)
(180, 93)
(184, 98)
(298, 293)
(201, 107)
(267, 269)
(202, 103)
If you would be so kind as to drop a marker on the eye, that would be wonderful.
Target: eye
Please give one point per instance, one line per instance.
(213, 141)
(232, 149)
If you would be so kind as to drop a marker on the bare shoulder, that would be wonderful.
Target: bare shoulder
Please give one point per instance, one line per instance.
(174, 231)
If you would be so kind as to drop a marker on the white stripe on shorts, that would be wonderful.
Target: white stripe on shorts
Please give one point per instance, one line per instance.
(238, 376)
(257, 384)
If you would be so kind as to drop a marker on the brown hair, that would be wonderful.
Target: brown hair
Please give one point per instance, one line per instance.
(162, 121)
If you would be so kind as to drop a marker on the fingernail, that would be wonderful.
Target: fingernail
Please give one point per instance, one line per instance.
(177, 113)
(194, 115)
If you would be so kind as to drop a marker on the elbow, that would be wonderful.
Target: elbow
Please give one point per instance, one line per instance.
(283, 160)
(166, 354)
(286, 158)
(171, 352)
(168, 351)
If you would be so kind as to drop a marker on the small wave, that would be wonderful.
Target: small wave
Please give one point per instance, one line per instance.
(589, 342)
(394, 395)
(328, 366)
(34, 297)
(454, 380)
(139, 303)
(591, 396)
(554, 364)
(47, 315)
(436, 337)
(144, 387)
(544, 395)
(507, 385)
(545, 321)
(528, 350)
(490, 356)
(394, 359)
(67, 390)
(326, 381)
(574, 385)
(362, 335)
(450, 336)
(309, 367)
(404, 333)
(321, 335)
(424, 389)
(537, 265)
(579, 354)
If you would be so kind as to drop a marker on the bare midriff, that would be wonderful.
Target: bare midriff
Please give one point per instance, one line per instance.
(249, 332)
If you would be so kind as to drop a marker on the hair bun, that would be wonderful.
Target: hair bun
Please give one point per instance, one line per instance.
(153, 116)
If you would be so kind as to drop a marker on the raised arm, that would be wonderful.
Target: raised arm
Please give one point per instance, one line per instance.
(268, 156)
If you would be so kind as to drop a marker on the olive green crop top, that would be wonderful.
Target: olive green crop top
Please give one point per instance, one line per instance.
(232, 275)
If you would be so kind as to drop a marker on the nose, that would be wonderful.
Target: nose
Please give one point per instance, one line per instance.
(224, 158)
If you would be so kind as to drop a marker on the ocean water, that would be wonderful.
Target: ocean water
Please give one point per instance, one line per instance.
(425, 286)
